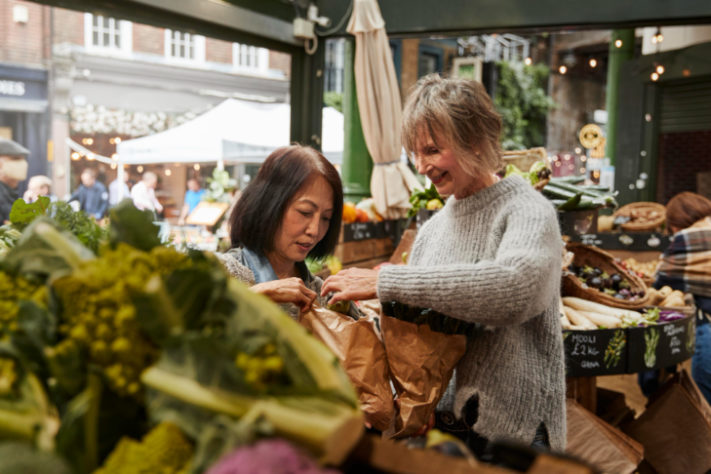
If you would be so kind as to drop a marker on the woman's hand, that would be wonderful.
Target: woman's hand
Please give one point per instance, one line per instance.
(351, 284)
(287, 290)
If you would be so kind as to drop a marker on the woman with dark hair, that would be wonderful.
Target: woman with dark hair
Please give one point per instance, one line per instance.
(686, 266)
(291, 210)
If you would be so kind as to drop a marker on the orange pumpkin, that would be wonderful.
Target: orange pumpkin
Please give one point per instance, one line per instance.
(349, 213)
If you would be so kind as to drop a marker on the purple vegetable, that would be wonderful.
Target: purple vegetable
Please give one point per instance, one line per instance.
(666, 315)
(272, 456)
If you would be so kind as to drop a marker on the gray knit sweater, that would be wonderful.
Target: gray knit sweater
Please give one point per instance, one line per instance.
(495, 258)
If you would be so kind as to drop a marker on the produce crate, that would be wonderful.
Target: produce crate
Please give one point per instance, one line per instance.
(575, 223)
(628, 350)
(633, 241)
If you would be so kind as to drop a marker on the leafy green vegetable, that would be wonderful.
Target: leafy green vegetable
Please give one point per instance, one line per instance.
(22, 213)
(133, 227)
(420, 198)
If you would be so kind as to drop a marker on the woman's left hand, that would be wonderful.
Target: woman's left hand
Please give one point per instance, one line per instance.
(351, 284)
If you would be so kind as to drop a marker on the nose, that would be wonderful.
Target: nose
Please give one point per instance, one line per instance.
(312, 226)
(420, 165)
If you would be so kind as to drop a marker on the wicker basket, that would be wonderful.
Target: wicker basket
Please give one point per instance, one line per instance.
(586, 255)
(656, 212)
(523, 159)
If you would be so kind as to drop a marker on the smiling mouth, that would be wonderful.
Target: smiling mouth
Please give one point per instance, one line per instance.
(436, 179)
(305, 247)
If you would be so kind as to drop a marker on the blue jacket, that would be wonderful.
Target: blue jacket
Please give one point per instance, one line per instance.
(94, 200)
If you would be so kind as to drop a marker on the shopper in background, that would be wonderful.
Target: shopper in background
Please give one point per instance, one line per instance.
(193, 196)
(686, 266)
(91, 194)
(13, 170)
(291, 210)
(119, 191)
(37, 186)
(491, 256)
(143, 193)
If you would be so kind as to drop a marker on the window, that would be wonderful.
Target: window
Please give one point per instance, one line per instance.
(250, 58)
(107, 34)
(335, 55)
(184, 46)
(429, 60)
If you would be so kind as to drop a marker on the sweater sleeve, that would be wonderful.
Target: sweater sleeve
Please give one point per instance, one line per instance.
(520, 282)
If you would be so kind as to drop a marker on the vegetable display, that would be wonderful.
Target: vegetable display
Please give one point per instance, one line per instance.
(538, 172)
(613, 284)
(428, 199)
(97, 347)
(568, 195)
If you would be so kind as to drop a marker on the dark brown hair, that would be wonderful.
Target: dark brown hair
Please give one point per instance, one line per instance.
(687, 208)
(459, 112)
(258, 213)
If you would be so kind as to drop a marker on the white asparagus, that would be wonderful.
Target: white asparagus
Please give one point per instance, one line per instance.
(585, 305)
(602, 319)
(578, 319)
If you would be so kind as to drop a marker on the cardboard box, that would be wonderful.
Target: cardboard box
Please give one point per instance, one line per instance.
(676, 428)
(598, 443)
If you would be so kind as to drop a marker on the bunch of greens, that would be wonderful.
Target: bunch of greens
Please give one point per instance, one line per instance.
(79, 223)
(140, 334)
(425, 199)
(436, 321)
(538, 171)
(219, 186)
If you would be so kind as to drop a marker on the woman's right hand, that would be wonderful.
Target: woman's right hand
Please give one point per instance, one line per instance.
(288, 290)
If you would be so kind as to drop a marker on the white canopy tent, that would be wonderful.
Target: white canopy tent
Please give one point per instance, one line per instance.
(235, 131)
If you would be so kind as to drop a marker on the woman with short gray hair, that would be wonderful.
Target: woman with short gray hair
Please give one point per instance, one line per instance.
(491, 256)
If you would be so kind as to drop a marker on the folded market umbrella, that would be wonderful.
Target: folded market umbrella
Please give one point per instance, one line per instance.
(392, 182)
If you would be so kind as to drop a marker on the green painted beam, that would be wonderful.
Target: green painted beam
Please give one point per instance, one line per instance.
(357, 164)
(617, 56)
(307, 82)
(461, 17)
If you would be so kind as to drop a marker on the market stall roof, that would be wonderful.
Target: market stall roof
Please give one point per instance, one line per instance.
(235, 131)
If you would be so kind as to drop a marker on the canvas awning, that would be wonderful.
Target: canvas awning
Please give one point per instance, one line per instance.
(235, 131)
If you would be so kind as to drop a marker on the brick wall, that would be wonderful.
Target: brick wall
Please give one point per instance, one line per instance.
(148, 39)
(280, 62)
(408, 65)
(68, 26)
(218, 51)
(681, 157)
(23, 42)
(575, 99)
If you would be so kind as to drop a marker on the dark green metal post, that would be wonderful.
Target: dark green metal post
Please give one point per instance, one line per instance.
(618, 55)
(307, 96)
(357, 164)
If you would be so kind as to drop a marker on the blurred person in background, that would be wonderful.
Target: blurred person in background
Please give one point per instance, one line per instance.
(91, 194)
(119, 191)
(13, 170)
(39, 185)
(193, 196)
(686, 266)
(143, 193)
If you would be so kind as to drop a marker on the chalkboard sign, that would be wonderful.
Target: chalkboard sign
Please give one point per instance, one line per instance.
(595, 352)
(363, 231)
(659, 346)
(636, 241)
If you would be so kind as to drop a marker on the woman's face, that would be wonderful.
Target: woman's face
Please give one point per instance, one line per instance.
(305, 221)
(441, 164)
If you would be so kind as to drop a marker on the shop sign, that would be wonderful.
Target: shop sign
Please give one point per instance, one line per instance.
(12, 88)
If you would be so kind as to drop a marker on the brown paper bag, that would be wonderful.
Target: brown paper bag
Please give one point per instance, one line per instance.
(675, 429)
(600, 444)
(362, 356)
(421, 363)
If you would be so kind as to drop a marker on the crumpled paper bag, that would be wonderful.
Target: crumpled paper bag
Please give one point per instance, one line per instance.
(362, 356)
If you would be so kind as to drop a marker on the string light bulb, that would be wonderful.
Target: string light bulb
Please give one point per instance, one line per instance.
(660, 69)
(658, 36)
(562, 69)
(593, 62)
(618, 43)
(528, 61)
(654, 76)
(75, 155)
(168, 172)
(139, 169)
(196, 167)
